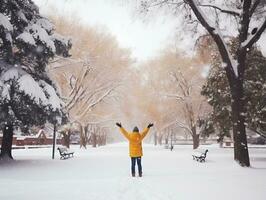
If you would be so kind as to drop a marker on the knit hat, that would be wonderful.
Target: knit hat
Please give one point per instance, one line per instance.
(135, 129)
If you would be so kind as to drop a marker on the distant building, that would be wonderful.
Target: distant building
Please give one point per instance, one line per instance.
(39, 139)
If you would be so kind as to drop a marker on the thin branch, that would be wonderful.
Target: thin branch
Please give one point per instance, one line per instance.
(78, 90)
(168, 125)
(100, 122)
(230, 12)
(183, 126)
(97, 101)
(178, 97)
(259, 132)
(254, 6)
(91, 95)
(166, 2)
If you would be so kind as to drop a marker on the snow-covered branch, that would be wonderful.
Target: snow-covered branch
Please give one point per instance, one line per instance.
(100, 122)
(77, 92)
(254, 38)
(254, 6)
(90, 96)
(259, 132)
(182, 83)
(217, 37)
(160, 3)
(184, 126)
(168, 125)
(223, 10)
(176, 96)
(98, 100)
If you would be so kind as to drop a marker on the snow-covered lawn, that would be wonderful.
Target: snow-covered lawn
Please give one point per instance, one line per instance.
(104, 174)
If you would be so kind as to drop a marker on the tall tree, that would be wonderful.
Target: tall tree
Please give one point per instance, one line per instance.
(217, 90)
(91, 78)
(244, 17)
(189, 96)
(27, 43)
(176, 81)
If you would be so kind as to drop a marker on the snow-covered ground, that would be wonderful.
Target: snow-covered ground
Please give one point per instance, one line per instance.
(104, 174)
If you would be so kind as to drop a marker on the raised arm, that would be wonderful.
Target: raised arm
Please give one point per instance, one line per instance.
(122, 130)
(145, 132)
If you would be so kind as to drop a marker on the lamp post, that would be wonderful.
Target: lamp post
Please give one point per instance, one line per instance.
(55, 121)
(171, 141)
(54, 138)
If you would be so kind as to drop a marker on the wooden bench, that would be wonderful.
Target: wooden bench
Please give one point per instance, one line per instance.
(64, 153)
(201, 157)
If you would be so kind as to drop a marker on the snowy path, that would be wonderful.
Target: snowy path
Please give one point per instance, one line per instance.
(103, 174)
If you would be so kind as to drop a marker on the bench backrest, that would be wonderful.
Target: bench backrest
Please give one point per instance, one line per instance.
(205, 153)
(62, 149)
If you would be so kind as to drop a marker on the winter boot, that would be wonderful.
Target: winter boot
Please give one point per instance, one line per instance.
(140, 174)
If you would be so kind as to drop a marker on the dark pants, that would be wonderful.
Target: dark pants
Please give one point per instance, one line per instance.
(133, 163)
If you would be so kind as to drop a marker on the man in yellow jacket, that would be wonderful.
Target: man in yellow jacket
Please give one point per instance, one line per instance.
(135, 146)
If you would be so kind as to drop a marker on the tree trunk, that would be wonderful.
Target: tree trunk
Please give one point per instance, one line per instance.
(195, 138)
(195, 141)
(221, 143)
(6, 149)
(166, 140)
(100, 140)
(220, 140)
(83, 140)
(239, 130)
(94, 140)
(160, 138)
(66, 139)
(155, 138)
(103, 140)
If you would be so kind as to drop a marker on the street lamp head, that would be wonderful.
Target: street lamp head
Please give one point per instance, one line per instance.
(56, 119)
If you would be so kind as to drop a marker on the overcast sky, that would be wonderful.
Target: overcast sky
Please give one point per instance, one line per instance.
(144, 37)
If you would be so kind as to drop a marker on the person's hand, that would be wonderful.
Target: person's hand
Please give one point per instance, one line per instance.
(150, 125)
(118, 124)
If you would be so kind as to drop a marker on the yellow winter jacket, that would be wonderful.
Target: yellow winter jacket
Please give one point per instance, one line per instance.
(135, 141)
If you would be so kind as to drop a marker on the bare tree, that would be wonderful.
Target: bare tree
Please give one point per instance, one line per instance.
(90, 80)
(188, 95)
(66, 132)
(82, 101)
(176, 81)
